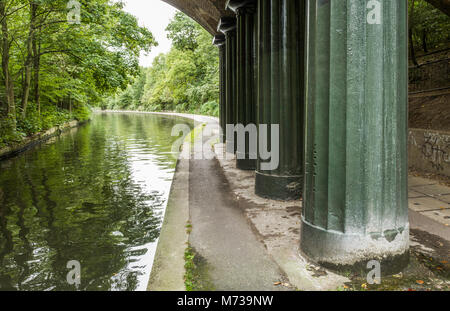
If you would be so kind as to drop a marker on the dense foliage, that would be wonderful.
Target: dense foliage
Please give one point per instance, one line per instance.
(55, 66)
(429, 28)
(186, 79)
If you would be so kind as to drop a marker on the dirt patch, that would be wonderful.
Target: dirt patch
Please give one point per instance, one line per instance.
(442, 179)
(437, 247)
(430, 112)
(296, 209)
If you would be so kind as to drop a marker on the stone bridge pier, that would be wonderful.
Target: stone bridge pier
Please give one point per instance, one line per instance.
(333, 76)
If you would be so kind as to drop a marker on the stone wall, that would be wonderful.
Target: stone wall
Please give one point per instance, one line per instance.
(429, 151)
(29, 142)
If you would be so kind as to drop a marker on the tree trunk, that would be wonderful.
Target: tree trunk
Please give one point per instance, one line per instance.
(424, 41)
(411, 48)
(410, 35)
(37, 68)
(70, 105)
(29, 59)
(5, 46)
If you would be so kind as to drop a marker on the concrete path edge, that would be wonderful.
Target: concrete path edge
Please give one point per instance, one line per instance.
(168, 266)
(168, 269)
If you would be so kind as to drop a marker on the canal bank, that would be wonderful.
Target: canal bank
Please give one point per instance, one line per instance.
(29, 142)
(242, 241)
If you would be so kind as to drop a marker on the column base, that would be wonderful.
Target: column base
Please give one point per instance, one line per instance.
(246, 164)
(344, 252)
(285, 188)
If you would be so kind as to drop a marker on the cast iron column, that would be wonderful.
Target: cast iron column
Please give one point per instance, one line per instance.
(219, 41)
(227, 26)
(355, 198)
(246, 79)
(281, 94)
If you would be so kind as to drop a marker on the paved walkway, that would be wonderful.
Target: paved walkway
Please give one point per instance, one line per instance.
(234, 257)
(430, 199)
(221, 235)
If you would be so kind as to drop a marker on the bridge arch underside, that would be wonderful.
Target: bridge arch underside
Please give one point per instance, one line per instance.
(205, 12)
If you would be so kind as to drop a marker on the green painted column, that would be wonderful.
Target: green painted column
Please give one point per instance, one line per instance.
(281, 94)
(219, 41)
(355, 197)
(246, 89)
(227, 25)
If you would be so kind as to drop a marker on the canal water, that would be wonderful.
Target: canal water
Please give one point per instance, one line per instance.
(95, 195)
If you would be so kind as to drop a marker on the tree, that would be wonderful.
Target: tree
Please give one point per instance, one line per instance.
(186, 79)
(53, 69)
(429, 29)
(183, 32)
(7, 10)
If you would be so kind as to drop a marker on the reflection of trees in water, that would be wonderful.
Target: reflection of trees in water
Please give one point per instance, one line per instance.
(156, 129)
(77, 200)
(6, 243)
(26, 249)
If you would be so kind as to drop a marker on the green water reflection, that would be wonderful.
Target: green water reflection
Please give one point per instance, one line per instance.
(96, 195)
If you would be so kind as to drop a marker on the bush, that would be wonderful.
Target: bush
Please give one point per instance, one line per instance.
(52, 116)
(32, 123)
(81, 112)
(210, 108)
(8, 133)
